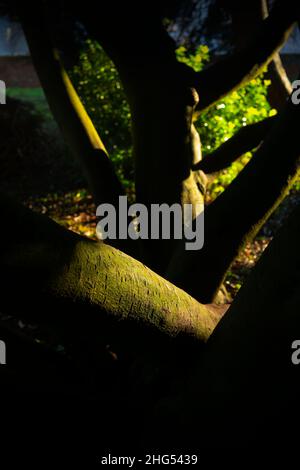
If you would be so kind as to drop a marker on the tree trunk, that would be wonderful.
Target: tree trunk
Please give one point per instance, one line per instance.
(162, 100)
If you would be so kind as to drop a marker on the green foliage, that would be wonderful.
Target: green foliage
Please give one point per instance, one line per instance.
(196, 60)
(98, 84)
(216, 125)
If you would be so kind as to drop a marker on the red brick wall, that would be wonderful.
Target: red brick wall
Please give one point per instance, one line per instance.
(18, 72)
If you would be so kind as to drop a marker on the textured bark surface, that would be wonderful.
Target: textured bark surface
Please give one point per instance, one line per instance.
(53, 267)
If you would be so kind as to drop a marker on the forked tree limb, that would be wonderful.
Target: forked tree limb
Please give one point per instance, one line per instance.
(237, 214)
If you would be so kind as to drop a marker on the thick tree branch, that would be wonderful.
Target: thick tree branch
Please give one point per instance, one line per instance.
(53, 268)
(216, 81)
(246, 139)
